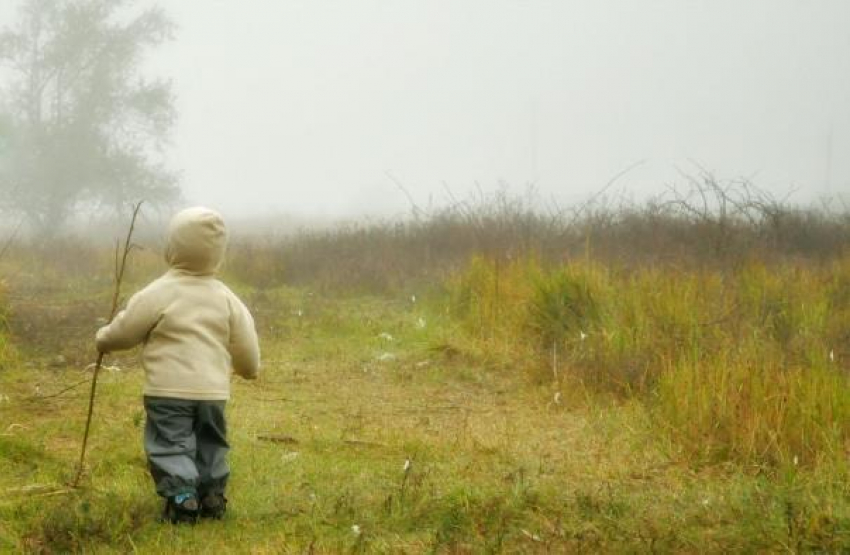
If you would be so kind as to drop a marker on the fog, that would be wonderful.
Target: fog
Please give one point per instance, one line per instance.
(332, 108)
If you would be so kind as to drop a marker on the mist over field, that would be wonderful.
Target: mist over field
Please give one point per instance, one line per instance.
(316, 107)
(329, 109)
(492, 277)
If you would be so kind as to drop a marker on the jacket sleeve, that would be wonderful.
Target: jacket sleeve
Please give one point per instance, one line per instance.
(131, 326)
(244, 346)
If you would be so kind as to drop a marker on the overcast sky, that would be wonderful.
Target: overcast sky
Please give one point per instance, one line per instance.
(309, 106)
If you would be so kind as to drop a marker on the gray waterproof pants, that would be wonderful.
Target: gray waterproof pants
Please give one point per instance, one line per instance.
(186, 445)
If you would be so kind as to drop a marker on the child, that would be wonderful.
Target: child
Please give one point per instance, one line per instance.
(195, 333)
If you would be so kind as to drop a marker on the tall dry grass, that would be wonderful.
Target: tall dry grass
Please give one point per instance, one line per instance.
(747, 364)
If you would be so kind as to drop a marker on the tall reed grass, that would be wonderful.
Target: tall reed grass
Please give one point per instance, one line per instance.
(746, 364)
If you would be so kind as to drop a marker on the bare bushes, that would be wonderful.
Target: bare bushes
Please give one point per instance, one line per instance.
(702, 222)
(381, 256)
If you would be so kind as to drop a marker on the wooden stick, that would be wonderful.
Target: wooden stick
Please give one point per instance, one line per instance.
(119, 276)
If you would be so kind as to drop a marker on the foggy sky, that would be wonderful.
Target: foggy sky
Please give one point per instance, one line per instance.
(306, 106)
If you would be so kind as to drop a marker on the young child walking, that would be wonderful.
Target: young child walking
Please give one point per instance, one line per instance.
(196, 333)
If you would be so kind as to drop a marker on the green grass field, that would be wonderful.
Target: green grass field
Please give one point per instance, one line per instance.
(381, 424)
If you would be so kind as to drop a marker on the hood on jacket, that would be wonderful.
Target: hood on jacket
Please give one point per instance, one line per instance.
(197, 238)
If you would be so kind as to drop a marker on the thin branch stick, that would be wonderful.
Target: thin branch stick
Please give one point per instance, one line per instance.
(58, 393)
(119, 276)
(413, 206)
(577, 212)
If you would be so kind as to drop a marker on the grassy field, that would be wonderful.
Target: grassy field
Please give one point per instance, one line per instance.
(377, 427)
(671, 378)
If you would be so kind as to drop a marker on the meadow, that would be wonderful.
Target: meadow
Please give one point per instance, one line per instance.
(487, 377)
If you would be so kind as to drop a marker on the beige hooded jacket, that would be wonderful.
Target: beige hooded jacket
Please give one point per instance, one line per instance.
(195, 330)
